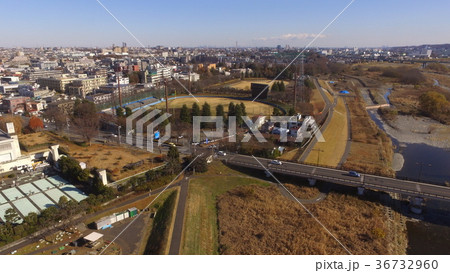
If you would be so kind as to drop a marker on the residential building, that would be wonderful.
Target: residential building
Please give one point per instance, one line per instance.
(34, 75)
(82, 87)
(9, 144)
(100, 98)
(158, 75)
(34, 91)
(8, 88)
(10, 79)
(14, 104)
(57, 84)
(47, 65)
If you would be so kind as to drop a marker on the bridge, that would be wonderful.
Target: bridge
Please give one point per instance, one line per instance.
(366, 181)
(377, 106)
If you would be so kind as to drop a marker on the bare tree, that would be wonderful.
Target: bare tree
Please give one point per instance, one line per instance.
(56, 116)
(85, 120)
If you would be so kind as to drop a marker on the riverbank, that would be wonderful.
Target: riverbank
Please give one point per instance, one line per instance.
(417, 130)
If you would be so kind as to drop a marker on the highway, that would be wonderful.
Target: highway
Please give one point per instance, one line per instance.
(341, 177)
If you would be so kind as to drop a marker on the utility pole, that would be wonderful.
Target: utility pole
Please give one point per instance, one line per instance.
(302, 77)
(118, 86)
(166, 95)
(295, 90)
(318, 154)
(118, 132)
(190, 86)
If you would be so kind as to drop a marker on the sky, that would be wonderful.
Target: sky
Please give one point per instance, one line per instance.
(366, 23)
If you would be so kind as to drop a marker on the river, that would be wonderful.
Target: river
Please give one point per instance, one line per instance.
(431, 235)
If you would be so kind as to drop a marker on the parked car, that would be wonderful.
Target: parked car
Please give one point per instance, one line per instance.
(221, 153)
(275, 162)
(354, 174)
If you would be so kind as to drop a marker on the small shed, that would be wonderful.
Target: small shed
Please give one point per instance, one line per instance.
(93, 237)
(132, 212)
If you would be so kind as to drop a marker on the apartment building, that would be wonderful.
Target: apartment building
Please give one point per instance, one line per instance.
(57, 84)
(34, 75)
(82, 87)
(158, 75)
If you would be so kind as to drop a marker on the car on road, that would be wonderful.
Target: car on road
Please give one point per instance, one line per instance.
(221, 153)
(171, 144)
(195, 143)
(275, 162)
(354, 174)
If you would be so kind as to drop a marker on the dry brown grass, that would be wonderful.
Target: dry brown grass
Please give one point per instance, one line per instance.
(291, 155)
(317, 101)
(302, 192)
(335, 135)
(246, 84)
(258, 220)
(97, 155)
(252, 108)
(113, 157)
(444, 79)
(371, 149)
(37, 138)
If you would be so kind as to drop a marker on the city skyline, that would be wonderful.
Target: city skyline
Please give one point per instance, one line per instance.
(249, 24)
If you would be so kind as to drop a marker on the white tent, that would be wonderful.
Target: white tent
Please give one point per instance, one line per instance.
(94, 236)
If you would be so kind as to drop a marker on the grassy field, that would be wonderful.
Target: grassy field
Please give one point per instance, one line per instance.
(157, 204)
(290, 155)
(246, 84)
(113, 158)
(159, 239)
(257, 221)
(39, 138)
(327, 86)
(335, 135)
(200, 235)
(317, 101)
(252, 108)
(200, 229)
(100, 156)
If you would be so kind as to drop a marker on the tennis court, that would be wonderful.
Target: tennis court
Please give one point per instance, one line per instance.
(43, 184)
(12, 194)
(41, 201)
(3, 209)
(57, 180)
(29, 189)
(73, 192)
(55, 194)
(2, 199)
(38, 195)
(25, 206)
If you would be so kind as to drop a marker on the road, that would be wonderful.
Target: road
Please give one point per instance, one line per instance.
(341, 177)
(175, 243)
(328, 110)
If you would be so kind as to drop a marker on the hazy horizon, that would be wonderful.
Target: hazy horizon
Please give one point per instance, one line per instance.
(86, 23)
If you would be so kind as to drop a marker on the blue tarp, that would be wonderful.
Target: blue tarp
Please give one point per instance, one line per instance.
(344, 92)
